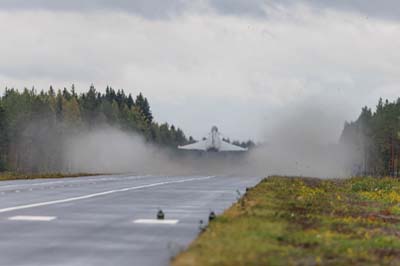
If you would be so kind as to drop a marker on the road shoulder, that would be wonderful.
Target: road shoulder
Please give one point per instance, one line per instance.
(301, 221)
(10, 176)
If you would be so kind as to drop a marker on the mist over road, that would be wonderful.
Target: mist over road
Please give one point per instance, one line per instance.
(104, 220)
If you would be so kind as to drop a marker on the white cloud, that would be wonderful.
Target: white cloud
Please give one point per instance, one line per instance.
(203, 68)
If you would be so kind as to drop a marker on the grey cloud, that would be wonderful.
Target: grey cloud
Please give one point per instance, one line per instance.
(159, 9)
(388, 9)
(384, 9)
(146, 8)
(127, 53)
(240, 7)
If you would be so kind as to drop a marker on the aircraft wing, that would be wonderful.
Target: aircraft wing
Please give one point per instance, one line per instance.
(198, 146)
(225, 146)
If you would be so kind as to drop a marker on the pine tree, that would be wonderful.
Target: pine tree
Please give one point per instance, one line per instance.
(90, 105)
(130, 101)
(3, 139)
(71, 112)
(51, 91)
(144, 107)
(59, 107)
(180, 137)
(73, 92)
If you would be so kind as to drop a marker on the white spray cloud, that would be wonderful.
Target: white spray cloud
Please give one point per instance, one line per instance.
(299, 145)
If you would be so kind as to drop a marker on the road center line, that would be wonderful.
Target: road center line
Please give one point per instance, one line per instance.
(34, 205)
(33, 218)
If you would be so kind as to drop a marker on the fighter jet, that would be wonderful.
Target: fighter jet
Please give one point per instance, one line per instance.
(214, 143)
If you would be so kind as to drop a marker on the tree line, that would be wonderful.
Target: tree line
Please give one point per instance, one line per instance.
(373, 140)
(244, 144)
(33, 123)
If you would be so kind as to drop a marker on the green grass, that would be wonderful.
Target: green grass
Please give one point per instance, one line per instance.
(4, 176)
(300, 221)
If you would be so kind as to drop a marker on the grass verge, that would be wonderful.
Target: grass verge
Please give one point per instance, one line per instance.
(5, 176)
(300, 221)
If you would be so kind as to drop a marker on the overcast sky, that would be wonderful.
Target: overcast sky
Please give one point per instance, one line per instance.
(240, 64)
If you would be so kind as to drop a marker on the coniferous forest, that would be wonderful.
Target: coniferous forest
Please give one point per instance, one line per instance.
(33, 124)
(374, 140)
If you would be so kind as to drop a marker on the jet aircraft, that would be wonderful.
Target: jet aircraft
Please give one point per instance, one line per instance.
(214, 143)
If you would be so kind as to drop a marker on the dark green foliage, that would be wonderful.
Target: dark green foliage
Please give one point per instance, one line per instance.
(191, 140)
(32, 125)
(3, 138)
(144, 107)
(373, 140)
(244, 144)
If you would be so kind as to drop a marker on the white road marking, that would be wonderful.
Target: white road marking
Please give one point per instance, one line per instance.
(33, 218)
(34, 205)
(75, 180)
(154, 221)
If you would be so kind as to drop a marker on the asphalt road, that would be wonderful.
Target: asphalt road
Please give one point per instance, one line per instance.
(107, 220)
